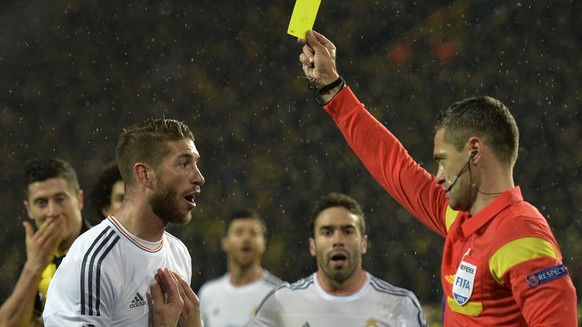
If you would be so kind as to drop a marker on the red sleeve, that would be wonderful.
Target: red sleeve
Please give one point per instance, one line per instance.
(544, 301)
(389, 162)
(550, 304)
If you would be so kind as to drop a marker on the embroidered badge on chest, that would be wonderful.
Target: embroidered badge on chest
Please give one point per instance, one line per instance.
(464, 281)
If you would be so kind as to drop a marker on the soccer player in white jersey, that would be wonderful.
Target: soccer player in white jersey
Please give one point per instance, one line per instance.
(340, 293)
(128, 271)
(233, 299)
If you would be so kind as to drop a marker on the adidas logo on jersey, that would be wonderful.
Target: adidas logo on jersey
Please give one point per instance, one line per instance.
(138, 301)
(306, 325)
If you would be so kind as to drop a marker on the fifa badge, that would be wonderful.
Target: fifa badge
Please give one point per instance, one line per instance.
(464, 281)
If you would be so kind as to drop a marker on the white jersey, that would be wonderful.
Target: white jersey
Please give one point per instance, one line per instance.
(225, 305)
(305, 304)
(106, 275)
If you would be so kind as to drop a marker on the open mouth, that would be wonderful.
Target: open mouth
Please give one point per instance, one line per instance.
(190, 200)
(339, 258)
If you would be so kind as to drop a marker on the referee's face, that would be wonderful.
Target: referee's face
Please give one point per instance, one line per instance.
(338, 245)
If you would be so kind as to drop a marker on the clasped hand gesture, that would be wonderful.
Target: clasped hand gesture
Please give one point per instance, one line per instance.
(172, 302)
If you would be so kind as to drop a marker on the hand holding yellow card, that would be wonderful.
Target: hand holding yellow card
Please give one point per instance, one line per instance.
(303, 17)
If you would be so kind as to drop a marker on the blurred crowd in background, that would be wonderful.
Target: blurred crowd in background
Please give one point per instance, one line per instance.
(73, 73)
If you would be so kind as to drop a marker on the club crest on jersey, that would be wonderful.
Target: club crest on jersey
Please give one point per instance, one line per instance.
(371, 322)
(464, 282)
(546, 275)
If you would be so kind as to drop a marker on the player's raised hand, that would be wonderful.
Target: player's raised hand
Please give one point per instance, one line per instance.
(42, 244)
(190, 315)
(164, 299)
(318, 59)
(172, 302)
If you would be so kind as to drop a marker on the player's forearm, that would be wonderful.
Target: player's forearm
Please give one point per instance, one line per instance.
(18, 308)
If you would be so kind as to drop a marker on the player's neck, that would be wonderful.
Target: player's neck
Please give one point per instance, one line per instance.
(66, 244)
(347, 287)
(241, 276)
(141, 222)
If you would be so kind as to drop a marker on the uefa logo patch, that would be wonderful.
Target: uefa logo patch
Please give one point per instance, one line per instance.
(546, 275)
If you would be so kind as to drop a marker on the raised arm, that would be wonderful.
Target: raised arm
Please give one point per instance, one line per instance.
(378, 149)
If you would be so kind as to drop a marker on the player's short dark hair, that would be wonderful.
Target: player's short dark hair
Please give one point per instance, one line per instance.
(100, 195)
(246, 213)
(41, 169)
(338, 200)
(147, 141)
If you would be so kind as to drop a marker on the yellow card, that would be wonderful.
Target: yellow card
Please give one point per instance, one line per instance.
(303, 17)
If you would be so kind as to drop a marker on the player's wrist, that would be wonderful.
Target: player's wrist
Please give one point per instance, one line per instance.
(33, 270)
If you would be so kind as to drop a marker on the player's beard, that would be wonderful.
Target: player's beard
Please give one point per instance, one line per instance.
(337, 275)
(165, 203)
(244, 262)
